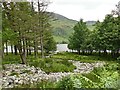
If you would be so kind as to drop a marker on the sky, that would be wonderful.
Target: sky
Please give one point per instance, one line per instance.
(85, 9)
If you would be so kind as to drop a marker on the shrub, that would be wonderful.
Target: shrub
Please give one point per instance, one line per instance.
(118, 59)
(66, 83)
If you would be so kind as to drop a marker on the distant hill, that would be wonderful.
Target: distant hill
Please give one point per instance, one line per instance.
(90, 22)
(63, 27)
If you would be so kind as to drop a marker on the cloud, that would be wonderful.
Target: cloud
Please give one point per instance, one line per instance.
(86, 9)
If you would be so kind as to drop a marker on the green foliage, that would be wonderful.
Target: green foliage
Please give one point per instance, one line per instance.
(11, 59)
(25, 28)
(105, 77)
(66, 83)
(43, 84)
(118, 59)
(14, 73)
(49, 43)
(54, 65)
(77, 39)
(82, 58)
(63, 27)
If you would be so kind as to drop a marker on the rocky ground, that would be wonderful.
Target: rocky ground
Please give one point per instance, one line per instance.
(16, 74)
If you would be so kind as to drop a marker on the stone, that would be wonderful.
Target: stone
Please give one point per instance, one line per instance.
(37, 74)
(16, 81)
(20, 82)
(10, 81)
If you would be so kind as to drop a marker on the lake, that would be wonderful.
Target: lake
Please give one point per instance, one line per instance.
(60, 48)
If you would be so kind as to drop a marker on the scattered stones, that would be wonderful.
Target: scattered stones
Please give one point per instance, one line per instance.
(15, 74)
(85, 67)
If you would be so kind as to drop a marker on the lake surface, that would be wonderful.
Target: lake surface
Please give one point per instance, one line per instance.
(60, 48)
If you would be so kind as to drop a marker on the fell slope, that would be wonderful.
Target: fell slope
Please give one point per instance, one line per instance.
(63, 27)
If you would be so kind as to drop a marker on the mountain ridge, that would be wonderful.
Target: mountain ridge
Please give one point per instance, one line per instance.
(63, 27)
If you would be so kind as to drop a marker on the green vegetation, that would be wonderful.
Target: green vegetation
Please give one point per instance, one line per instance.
(31, 35)
(104, 37)
(42, 85)
(105, 77)
(83, 58)
(63, 27)
(11, 59)
(53, 65)
(47, 64)
(25, 29)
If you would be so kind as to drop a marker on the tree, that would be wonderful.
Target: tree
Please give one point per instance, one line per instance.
(18, 14)
(25, 28)
(77, 39)
(49, 44)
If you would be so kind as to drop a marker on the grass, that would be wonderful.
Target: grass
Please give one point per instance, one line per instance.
(11, 59)
(42, 85)
(53, 65)
(82, 58)
(58, 62)
(48, 64)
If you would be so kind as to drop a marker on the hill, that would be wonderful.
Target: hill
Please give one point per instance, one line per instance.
(63, 27)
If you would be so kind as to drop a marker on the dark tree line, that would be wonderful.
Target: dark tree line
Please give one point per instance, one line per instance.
(105, 36)
(24, 28)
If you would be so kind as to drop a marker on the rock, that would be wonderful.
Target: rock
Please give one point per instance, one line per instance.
(8, 73)
(10, 81)
(16, 81)
(20, 82)
(37, 74)
(5, 84)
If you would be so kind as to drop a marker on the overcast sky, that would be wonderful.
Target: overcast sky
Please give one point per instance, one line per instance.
(86, 9)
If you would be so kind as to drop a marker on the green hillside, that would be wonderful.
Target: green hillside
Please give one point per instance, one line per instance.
(63, 27)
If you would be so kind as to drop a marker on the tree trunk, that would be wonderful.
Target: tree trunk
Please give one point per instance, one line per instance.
(20, 52)
(113, 53)
(41, 30)
(2, 53)
(91, 52)
(42, 50)
(117, 53)
(35, 49)
(6, 48)
(83, 52)
(12, 49)
(15, 48)
(99, 52)
(105, 51)
(78, 52)
(29, 50)
(24, 50)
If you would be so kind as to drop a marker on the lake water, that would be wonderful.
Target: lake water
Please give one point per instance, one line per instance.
(60, 48)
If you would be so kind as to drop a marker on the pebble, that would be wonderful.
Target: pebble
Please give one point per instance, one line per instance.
(37, 74)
